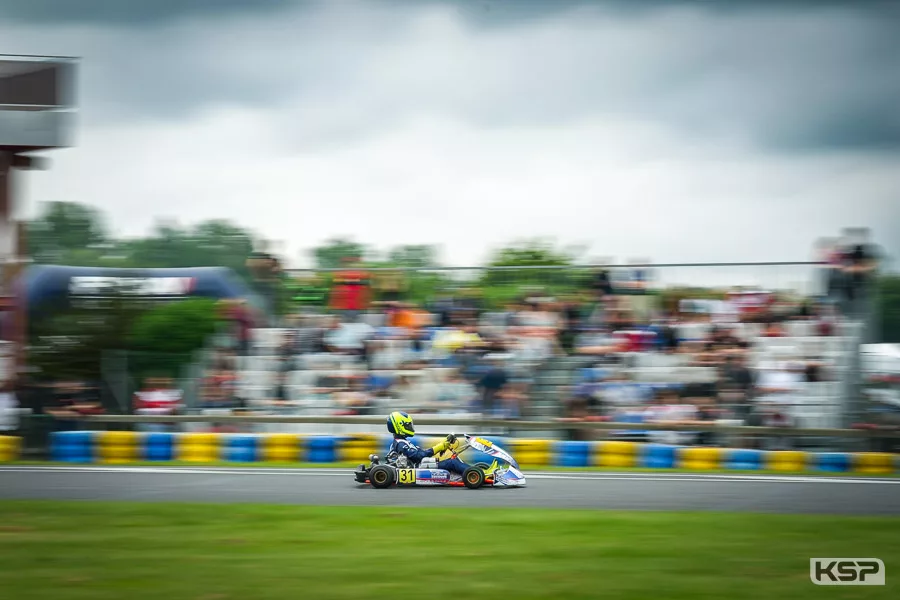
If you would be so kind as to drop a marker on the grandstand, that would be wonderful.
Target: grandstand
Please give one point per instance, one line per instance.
(624, 381)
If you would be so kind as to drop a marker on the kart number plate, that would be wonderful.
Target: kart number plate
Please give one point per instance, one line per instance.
(406, 476)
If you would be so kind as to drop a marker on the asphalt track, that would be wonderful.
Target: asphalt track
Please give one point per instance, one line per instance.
(640, 491)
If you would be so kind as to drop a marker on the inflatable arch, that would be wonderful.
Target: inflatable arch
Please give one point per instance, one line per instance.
(51, 287)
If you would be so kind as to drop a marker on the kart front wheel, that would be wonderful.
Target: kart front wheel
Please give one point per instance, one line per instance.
(381, 476)
(473, 478)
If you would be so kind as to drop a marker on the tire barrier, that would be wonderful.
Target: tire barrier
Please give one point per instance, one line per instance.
(357, 448)
(198, 447)
(616, 454)
(573, 454)
(531, 453)
(322, 449)
(874, 463)
(744, 460)
(283, 447)
(72, 446)
(117, 446)
(787, 461)
(158, 446)
(9, 448)
(127, 446)
(658, 456)
(836, 462)
(699, 458)
(241, 448)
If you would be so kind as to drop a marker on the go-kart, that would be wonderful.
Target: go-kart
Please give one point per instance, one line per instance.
(396, 469)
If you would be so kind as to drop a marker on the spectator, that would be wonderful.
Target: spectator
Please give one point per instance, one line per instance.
(9, 406)
(670, 409)
(666, 335)
(354, 399)
(455, 393)
(859, 266)
(597, 342)
(773, 329)
(580, 406)
(350, 293)
(416, 391)
(238, 315)
(735, 385)
(311, 335)
(385, 355)
(391, 285)
(513, 400)
(350, 336)
(602, 285)
(778, 390)
(69, 401)
(266, 275)
(159, 397)
(569, 326)
(490, 386)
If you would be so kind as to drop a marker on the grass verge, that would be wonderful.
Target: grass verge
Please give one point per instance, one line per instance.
(100, 550)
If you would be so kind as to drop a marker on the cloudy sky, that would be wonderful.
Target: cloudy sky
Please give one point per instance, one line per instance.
(676, 131)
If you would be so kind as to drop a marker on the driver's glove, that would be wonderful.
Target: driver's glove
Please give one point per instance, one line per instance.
(440, 447)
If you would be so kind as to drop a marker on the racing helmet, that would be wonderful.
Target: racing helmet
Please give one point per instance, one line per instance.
(400, 424)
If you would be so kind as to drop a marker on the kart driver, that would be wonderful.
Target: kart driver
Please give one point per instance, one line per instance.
(401, 426)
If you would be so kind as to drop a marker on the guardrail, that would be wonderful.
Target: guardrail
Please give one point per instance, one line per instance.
(524, 425)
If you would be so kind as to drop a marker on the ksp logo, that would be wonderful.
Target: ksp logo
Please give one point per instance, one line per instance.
(846, 571)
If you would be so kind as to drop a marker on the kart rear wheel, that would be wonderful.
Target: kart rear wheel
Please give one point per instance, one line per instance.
(381, 476)
(473, 478)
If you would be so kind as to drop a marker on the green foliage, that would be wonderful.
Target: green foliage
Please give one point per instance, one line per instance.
(533, 252)
(209, 244)
(175, 328)
(508, 283)
(73, 234)
(330, 255)
(164, 337)
(71, 343)
(413, 256)
(64, 227)
(889, 308)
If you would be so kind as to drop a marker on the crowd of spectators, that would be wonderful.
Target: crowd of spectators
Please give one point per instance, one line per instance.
(614, 354)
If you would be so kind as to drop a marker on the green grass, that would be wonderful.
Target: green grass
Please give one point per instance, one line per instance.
(352, 465)
(98, 551)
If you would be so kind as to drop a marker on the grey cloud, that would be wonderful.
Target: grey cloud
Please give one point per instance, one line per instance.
(140, 13)
(126, 12)
(784, 75)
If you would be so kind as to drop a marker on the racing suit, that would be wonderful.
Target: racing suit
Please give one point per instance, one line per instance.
(415, 455)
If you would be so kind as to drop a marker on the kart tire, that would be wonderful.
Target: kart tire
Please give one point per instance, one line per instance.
(473, 478)
(482, 466)
(381, 476)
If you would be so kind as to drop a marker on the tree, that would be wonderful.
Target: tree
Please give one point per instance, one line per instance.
(889, 308)
(69, 341)
(505, 282)
(420, 256)
(164, 338)
(330, 255)
(533, 252)
(209, 244)
(63, 228)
